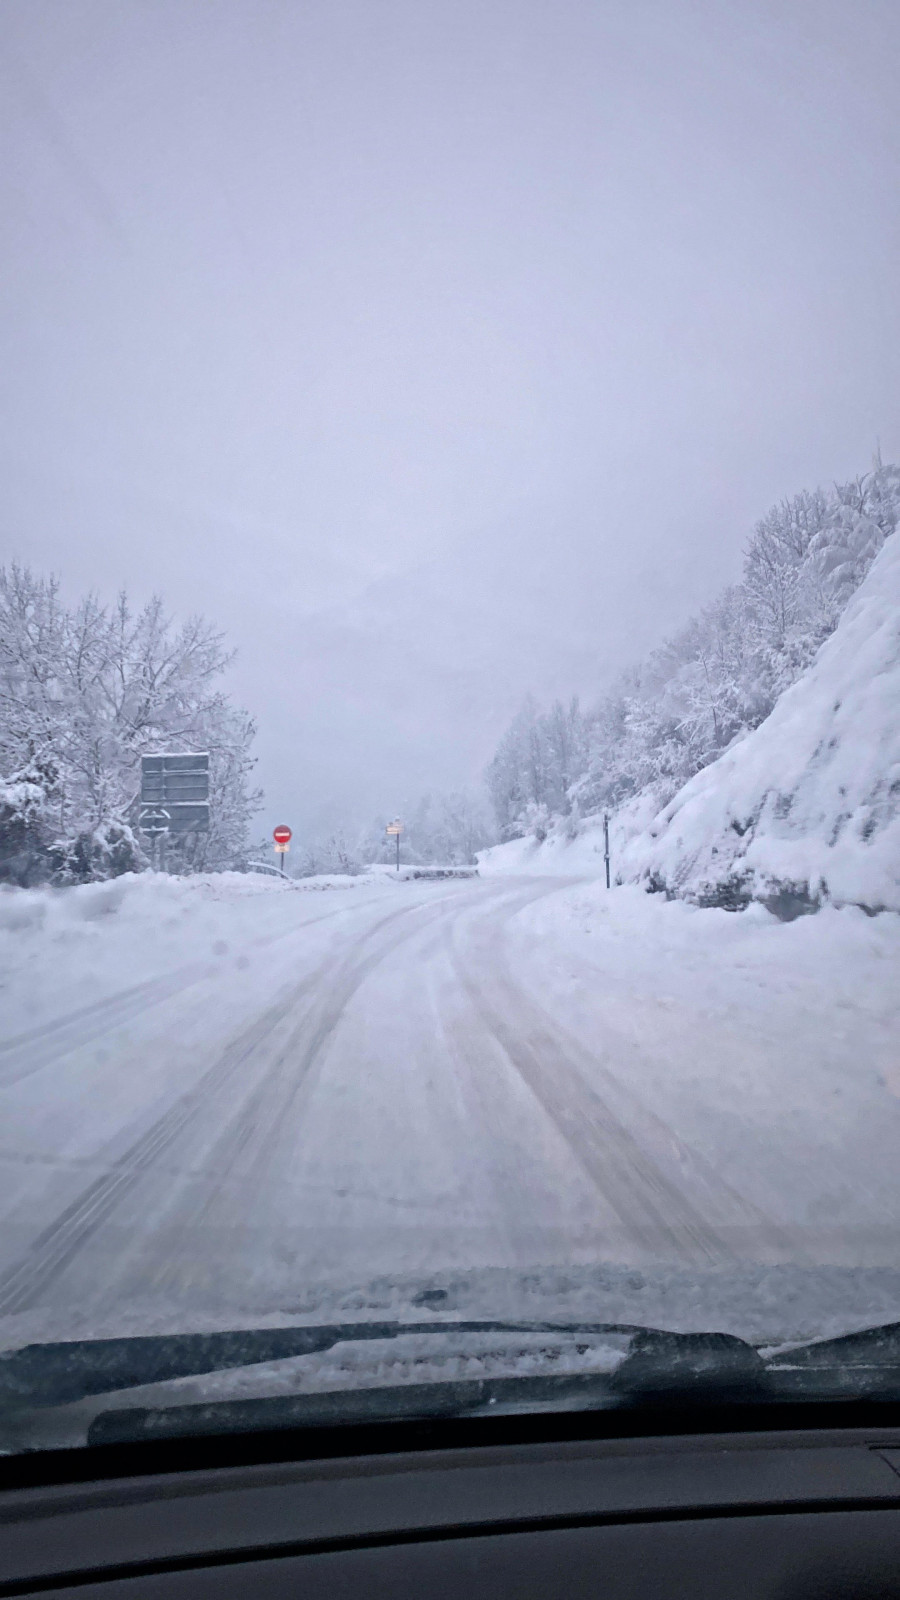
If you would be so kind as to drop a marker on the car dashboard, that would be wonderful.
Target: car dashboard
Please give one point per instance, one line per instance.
(782, 1512)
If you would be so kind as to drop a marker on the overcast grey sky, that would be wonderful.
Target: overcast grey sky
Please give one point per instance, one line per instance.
(440, 350)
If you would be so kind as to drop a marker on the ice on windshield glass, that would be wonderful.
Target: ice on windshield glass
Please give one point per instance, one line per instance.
(449, 705)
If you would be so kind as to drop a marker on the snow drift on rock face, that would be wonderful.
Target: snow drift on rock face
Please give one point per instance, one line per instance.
(807, 807)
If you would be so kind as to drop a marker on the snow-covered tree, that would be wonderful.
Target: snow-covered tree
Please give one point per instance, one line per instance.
(460, 828)
(333, 854)
(538, 761)
(714, 681)
(441, 829)
(90, 689)
(28, 814)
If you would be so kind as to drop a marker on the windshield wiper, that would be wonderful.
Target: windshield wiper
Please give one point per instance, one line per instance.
(660, 1368)
(861, 1365)
(56, 1374)
(663, 1367)
(440, 1400)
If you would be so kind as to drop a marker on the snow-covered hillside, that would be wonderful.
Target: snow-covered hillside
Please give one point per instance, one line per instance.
(806, 808)
(571, 851)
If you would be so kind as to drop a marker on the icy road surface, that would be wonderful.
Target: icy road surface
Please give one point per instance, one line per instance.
(217, 1092)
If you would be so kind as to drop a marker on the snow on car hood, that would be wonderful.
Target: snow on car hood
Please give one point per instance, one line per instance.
(763, 1304)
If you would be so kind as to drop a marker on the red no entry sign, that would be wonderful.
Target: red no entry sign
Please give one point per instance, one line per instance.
(281, 835)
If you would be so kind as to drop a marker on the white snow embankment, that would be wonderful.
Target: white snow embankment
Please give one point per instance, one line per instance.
(806, 809)
(64, 948)
(553, 857)
(560, 855)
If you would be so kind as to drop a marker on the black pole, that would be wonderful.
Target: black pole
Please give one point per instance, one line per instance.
(606, 844)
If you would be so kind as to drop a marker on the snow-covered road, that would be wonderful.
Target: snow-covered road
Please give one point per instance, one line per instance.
(225, 1097)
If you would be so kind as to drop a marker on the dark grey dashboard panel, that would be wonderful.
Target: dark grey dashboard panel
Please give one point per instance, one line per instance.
(851, 1555)
(433, 1502)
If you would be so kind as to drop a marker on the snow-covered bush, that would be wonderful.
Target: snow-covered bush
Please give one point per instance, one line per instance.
(534, 821)
(28, 811)
(109, 851)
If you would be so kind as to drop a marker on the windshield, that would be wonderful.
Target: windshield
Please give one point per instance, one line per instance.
(449, 709)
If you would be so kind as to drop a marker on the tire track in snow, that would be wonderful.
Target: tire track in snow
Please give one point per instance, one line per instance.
(39, 1047)
(562, 1076)
(263, 1127)
(26, 1280)
(29, 1052)
(733, 1211)
(53, 1249)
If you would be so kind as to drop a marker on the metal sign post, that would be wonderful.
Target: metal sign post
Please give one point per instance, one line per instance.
(606, 844)
(156, 825)
(282, 836)
(395, 828)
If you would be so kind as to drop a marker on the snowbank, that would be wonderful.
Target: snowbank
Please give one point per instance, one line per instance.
(554, 856)
(424, 870)
(807, 808)
(562, 855)
(62, 948)
(145, 896)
